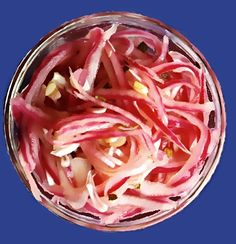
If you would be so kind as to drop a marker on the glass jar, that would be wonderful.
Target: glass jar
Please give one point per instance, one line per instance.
(75, 29)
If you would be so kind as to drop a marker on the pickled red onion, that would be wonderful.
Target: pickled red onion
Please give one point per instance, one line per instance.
(127, 133)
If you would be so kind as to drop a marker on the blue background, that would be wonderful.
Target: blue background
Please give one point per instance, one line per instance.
(210, 25)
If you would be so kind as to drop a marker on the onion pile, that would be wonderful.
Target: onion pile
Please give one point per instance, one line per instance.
(115, 124)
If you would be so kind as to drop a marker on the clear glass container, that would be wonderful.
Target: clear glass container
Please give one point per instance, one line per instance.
(75, 29)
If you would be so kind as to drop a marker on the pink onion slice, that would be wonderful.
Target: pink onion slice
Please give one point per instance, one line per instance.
(50, 62)
(22, 110)
(99, 38)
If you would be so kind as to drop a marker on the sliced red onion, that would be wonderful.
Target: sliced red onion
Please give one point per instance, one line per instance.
(50, 62)
(164, 51)
(99, 38)
(196, 154)
(33, 186)
(22, 109)
(129, 132)
(97, 202)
